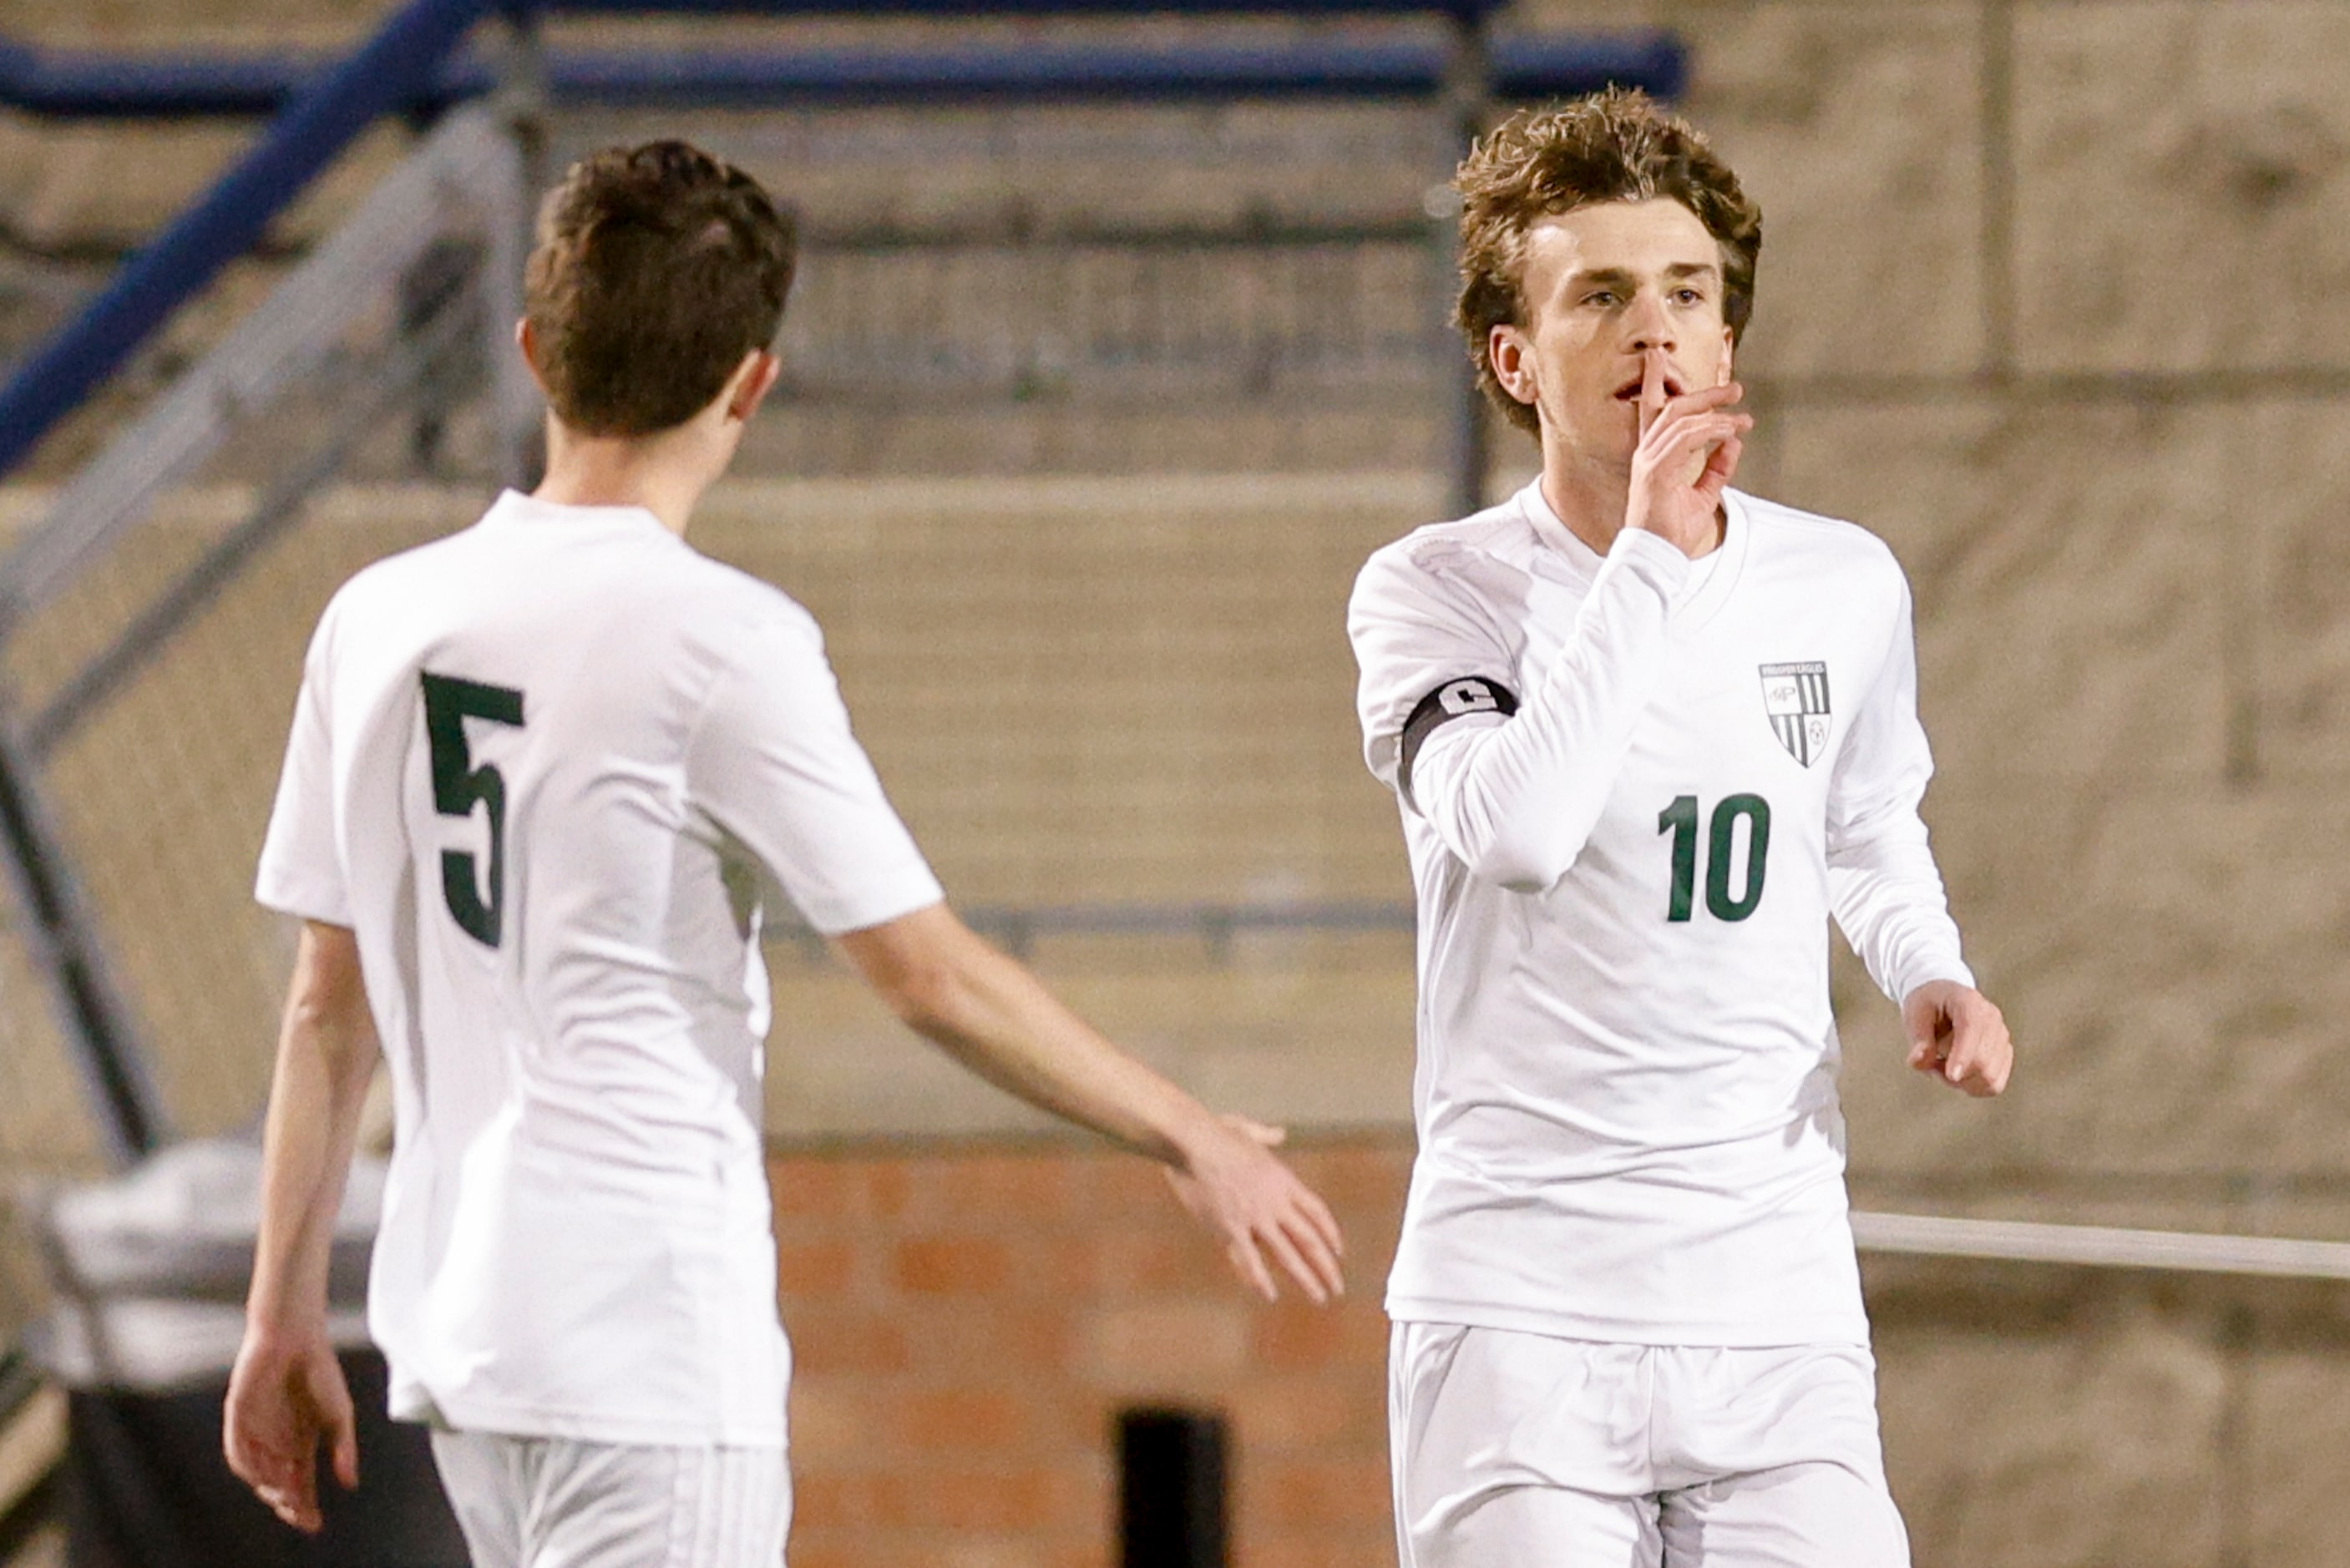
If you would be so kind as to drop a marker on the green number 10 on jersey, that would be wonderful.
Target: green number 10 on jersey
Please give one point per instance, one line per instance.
(1679, 819)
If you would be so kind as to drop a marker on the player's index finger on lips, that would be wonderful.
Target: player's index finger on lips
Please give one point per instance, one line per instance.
(1652, 387)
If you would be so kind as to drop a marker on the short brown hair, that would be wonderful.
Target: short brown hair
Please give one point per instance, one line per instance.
(657, 268)
(1613, 145)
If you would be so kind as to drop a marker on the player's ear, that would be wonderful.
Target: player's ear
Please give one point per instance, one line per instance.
(1513, 366)
(752, 380)
(527, 342)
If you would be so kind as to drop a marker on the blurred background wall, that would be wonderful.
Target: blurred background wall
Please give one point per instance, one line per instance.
(2055, 296)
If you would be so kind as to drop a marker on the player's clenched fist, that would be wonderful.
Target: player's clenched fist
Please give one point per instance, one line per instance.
(1959, 1036)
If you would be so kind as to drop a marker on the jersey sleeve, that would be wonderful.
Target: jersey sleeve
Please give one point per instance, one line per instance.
(1416, 634)
(302, 868)
(1513, 782)
(775, 764)
(1883, 884)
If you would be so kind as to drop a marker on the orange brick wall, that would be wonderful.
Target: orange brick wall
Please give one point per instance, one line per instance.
(967, 1321)
(970, 1317)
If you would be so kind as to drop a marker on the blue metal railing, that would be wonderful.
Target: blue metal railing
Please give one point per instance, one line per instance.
(413, 65)
(1459, 10)
(71, 85)
(324, 117)
(118, 88)
(1326, 68)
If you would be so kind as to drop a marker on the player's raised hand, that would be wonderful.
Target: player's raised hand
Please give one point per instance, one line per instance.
(1233, 1184)
(285, 1400)
(1959, 1036)
(1689, 446)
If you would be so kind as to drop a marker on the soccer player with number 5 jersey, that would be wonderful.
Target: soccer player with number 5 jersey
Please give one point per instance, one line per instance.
(547, 776)
(1648, 734)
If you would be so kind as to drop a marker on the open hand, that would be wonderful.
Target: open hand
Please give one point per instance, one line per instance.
(1959, 1036)
(1233, 1183)
(285, 1400)
(1688, 449)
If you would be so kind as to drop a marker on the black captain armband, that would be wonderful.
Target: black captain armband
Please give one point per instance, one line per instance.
(1458, 699)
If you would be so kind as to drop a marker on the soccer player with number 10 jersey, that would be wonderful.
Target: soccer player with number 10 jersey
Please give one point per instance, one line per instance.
(1646, 734)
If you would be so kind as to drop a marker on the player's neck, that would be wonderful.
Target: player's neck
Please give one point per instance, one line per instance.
(664, 474)
(1589, 497)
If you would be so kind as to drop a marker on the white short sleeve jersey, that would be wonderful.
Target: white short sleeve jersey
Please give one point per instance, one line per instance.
(544, 768)
(1633, 789)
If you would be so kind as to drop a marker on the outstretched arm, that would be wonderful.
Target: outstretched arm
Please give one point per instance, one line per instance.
(776, 766)
(287, 1395)
(990, 1013)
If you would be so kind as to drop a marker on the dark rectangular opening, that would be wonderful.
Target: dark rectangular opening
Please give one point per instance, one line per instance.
(1171, 1511)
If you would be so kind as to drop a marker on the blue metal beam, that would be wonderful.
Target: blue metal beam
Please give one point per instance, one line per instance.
(1524, 67)
(1532, 66)
(70, 84)
(1330, 69)
(1467, 10)
(331, 110)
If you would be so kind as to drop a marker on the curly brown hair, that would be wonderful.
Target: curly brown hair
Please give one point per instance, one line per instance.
(1613, 146)
(657, 268)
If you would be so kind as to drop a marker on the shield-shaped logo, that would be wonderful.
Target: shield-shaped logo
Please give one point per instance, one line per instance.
(1795, 696)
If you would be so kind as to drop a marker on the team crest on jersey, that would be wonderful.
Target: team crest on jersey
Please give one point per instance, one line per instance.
(1795, 696)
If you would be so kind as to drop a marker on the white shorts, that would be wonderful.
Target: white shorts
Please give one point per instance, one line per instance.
(554, 1503)
(1519, 1450)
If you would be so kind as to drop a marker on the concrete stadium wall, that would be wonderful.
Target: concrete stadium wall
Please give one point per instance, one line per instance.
(2053, 298)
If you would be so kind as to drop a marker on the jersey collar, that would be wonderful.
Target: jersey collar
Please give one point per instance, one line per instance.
(1717, 574)
(512, 506)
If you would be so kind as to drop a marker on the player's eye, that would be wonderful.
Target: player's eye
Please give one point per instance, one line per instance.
(1688, 296)
(1601, 297)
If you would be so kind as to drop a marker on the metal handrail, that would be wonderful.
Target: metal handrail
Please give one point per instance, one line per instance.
(265, 352)
(470, 159)
(283, 502)
(1019, 927)
(2100, 1246)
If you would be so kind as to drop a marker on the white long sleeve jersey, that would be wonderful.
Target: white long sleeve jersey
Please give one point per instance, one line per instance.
(1633, 789)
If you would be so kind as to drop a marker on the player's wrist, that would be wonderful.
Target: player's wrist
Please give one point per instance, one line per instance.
(284, 1326)
(1197, 1140)
(1935, 986)
(267, 1358)
(1692, 532)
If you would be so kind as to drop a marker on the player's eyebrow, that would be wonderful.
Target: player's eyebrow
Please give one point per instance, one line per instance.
(1619, 277)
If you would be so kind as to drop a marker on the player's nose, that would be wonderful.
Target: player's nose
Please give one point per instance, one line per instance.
(1648, 325)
